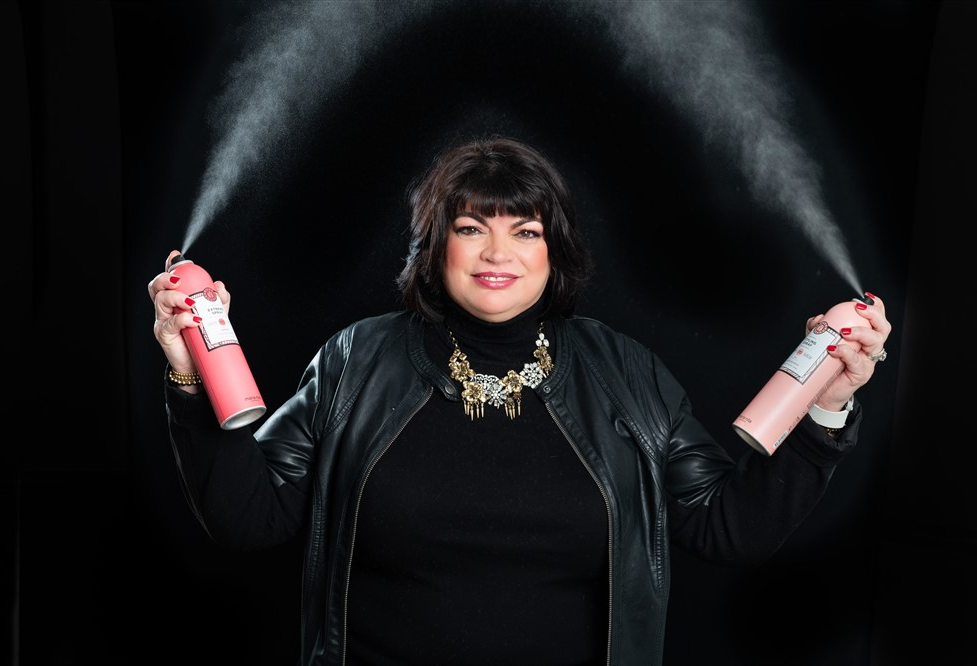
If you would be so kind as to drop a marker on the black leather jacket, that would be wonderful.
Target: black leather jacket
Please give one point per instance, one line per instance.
(664, 479)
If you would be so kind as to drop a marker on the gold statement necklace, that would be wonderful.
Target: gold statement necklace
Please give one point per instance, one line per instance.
(478, 389)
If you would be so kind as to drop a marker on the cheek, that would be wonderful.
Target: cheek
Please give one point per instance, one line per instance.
(538, 258)
(454, 252)
(454, 263)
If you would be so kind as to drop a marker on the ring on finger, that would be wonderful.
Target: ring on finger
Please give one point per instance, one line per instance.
(876, 358)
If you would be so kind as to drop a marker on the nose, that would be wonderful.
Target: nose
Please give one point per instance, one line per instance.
(495, 249)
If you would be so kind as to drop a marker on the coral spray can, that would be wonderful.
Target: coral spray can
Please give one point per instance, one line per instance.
(216, 351)
(796, 386)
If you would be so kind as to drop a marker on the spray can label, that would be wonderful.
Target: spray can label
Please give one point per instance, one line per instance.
(811, 353)
(215, 329)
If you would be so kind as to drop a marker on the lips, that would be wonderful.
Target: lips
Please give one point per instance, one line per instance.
(495, 280)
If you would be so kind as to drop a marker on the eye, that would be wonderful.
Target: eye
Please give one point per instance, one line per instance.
(467, 230)
(528, 234)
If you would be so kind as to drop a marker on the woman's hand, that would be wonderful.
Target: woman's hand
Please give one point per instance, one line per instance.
(859, 365)
(172, 316)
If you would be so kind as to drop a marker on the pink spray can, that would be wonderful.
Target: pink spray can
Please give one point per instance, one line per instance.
(216, 351)
(796, 386)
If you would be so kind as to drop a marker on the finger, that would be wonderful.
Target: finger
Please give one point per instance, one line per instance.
(171, 302)
(169, 330)
(872, 337)
(875, 317)
(858, 367)
(877, 302)
(875, 313)
(222, 291)
(171, 326)
(863, 338)
(162, 282)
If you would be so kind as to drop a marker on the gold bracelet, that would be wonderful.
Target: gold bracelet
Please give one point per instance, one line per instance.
(185, 378)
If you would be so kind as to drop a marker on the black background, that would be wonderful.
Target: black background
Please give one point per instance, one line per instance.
(108, 138)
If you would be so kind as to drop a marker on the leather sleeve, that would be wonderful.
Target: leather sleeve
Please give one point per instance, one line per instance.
(242, 498)
(743, 511)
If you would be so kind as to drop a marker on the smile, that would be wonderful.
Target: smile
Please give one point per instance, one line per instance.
(495, 281)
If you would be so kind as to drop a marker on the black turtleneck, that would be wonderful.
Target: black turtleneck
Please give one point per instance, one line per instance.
(480, 542)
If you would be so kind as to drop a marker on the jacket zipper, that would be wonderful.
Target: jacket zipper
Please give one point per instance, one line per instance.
(610, 528)
(356, 515)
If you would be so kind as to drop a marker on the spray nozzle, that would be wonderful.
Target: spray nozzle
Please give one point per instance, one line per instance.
(179, 259)
(866, 299)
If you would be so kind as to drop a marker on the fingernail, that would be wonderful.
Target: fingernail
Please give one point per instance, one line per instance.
(189, 301)
(832, 347)
(861, 306)
(174, 279)
(871, 295)
(197, 319)
(846, 331)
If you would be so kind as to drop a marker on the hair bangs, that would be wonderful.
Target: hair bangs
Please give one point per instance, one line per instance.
(500, 194)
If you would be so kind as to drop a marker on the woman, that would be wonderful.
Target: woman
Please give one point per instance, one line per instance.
(486, 478)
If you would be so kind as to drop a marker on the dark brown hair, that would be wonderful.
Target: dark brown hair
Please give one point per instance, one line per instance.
(491, 176)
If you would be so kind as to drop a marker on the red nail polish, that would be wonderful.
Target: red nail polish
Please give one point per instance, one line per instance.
(861, 306)
(871, 295)
(189, 301)
(174, 279)
(197, 320)
(832, 347)
(846, 331)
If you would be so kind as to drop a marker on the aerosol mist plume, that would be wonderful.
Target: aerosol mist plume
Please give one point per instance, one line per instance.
(705, 55)
(296, 53)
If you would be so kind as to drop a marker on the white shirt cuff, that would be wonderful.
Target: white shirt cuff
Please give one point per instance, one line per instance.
(827, 419)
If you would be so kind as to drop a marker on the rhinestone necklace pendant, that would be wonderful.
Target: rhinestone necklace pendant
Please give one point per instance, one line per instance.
(478, 389)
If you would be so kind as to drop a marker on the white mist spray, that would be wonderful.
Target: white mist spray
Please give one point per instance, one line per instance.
(706, 56)
(296, 54)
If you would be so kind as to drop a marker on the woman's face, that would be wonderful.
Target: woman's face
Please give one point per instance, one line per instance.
(496, 267)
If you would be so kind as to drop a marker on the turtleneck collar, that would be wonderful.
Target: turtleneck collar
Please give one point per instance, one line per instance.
(511, 342)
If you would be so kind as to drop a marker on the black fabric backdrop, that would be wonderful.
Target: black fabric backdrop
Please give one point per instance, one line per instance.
(107, 142)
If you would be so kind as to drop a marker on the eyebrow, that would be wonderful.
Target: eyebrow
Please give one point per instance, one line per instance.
(518, 223)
